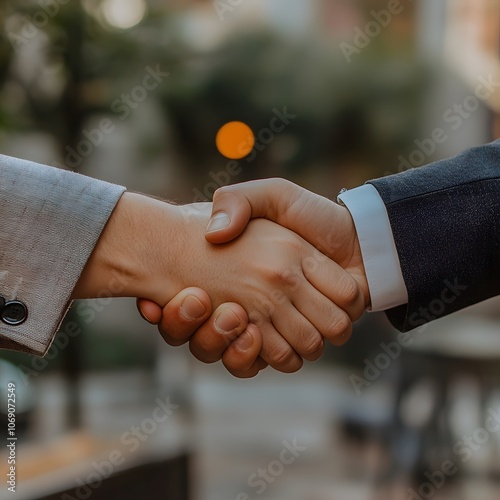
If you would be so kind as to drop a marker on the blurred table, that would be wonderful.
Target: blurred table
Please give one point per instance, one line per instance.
(157, 470)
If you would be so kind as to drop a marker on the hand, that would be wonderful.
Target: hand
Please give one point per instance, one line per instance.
(224, 335)
(288, 309)
(288, 288)
(323, 223)
(114, 269)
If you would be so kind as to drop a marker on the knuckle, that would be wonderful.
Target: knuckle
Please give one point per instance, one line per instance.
(286, 359)
(313, 346)
(282, 185)
(341, 323)
(220, 192)
(256, 318)
(225, 194)
(350, 291)
(283, 278)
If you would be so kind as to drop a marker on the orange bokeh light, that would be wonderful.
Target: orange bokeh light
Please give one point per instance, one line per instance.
(235, 140)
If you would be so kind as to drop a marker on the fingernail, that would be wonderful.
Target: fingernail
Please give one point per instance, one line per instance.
(227, 321)
(192, 308)
(218, 221)
(243, 342)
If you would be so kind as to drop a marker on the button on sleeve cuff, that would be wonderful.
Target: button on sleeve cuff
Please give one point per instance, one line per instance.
(51, 221)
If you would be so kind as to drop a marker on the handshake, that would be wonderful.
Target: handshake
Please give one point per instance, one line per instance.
(260, 277)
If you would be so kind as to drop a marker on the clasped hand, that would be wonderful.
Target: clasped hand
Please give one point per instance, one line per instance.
(279, 286)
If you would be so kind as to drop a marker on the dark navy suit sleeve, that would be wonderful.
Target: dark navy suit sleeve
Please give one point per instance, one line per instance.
(445, 218)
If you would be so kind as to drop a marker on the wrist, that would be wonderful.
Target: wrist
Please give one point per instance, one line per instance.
(135, 247)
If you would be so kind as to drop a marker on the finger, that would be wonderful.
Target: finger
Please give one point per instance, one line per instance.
(325, 317)
(241, 358)
(215, 335)
(234, 206)
(183, 315)
(229, 217)
(334, 283)
(320, 221)
(299, 332)
(276, 351)
(149, 310)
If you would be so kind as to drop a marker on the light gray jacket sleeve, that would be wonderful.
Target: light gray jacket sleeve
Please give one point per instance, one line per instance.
(50, 221)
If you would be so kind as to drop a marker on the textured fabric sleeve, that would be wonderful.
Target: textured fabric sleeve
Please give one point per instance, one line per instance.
(50, 221)
(445, 218)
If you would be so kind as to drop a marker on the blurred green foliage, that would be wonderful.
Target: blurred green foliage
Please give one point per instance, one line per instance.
(366, 111)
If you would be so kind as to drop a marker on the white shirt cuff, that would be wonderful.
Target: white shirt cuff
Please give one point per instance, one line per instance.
(380, 257)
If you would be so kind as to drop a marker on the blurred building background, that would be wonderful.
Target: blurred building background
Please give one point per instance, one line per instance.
(368, 82)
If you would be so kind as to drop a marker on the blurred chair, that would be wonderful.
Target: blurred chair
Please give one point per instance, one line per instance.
(426, 428)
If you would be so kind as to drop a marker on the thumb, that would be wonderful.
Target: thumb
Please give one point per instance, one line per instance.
(231, 213)
(234, 206)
